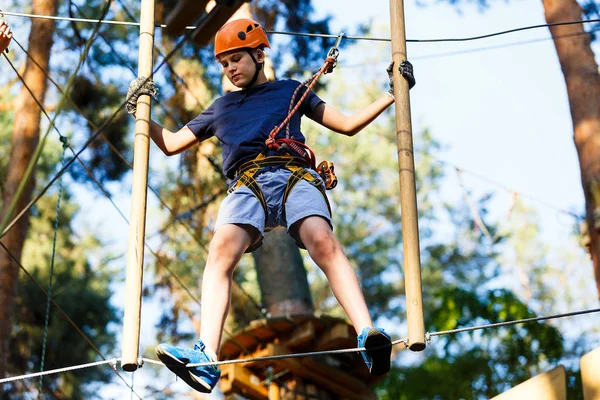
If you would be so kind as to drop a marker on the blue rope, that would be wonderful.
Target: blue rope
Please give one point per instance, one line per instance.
(65, 143)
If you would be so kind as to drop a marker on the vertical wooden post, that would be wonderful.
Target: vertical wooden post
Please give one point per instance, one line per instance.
(549, 385)
(274, 391)
(408, 195)
(137, 227)
(590, 375)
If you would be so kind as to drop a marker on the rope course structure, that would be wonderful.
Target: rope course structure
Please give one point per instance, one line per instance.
(178, 218)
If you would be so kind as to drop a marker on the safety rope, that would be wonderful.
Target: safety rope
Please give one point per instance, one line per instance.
(112, 361)
(403, 341)
(515, 322)
(326, 68)
(61, 104)
(65, 143)
(323, 35)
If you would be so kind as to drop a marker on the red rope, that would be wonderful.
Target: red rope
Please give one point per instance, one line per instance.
(325, 69)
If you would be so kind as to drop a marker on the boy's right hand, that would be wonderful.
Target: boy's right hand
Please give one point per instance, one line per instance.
(5, 35)
(139, 86)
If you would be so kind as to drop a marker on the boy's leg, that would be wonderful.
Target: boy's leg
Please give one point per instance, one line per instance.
(226, 248)
(326, 251)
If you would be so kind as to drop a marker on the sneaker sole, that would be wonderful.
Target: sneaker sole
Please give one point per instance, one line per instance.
(179, 368)
(379, 348)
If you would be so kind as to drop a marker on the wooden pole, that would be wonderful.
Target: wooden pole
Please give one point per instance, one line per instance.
(549, 385)
(137, 223)
(408, 195)
(590, 375)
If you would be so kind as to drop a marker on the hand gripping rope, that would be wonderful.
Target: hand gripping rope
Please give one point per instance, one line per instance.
(325, 168)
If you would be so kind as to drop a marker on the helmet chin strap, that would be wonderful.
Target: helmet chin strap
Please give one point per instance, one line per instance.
(258, 68)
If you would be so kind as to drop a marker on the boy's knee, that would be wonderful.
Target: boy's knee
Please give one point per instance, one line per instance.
(227, 246)
(322, 243)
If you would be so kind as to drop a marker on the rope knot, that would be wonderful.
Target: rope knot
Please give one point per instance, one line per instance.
(65, 141)
(331, 64)
(272, 144)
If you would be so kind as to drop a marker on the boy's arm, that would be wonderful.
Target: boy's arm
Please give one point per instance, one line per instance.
(172, 143)
(332, 119)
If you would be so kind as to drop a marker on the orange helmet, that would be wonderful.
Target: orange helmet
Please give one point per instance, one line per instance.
(240, 34)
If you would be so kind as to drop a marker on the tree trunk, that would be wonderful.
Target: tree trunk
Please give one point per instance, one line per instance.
(25, 137)
(281, 276)
(583, 87)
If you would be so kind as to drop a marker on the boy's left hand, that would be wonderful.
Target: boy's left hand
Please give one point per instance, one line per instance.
(406, 69)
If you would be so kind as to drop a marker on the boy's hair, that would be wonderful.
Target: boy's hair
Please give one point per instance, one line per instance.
(240, 34)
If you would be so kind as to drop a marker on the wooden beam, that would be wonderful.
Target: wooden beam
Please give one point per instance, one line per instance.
(237, 379)
(185, 13)
(213, 21)
(137, 221)
(339, 336)
(590, 375)
(302, 335)
(334, 380)
(550, 385)
(408, 191)
(274, 391)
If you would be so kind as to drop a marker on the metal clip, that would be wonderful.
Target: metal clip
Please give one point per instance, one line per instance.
(428, 338)
(334, 52)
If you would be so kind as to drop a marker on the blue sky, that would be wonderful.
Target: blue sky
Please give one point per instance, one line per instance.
(503, 113)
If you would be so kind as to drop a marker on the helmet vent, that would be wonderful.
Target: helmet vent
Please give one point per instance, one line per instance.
(249, 28)
(241, 35)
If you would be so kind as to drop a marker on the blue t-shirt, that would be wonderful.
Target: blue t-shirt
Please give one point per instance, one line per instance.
(242, 120)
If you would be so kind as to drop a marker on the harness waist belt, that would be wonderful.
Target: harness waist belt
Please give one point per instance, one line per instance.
(296, 165)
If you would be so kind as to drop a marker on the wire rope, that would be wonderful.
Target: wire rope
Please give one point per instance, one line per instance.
(321, 35)
(403, 341)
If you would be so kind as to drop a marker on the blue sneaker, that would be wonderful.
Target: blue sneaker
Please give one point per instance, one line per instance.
(378, 346)
(203, 379)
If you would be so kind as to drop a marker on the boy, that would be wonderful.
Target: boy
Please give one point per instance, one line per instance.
(242, 121)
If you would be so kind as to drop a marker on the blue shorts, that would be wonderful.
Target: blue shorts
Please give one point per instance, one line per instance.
(241, 207)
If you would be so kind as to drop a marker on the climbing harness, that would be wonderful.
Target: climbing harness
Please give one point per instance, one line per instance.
(246, 176)
(292, 155)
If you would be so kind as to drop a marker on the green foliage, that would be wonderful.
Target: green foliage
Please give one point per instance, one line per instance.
(478, 364)
(83, 292)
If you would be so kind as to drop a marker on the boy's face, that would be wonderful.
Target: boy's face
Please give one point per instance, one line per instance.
(239, 67)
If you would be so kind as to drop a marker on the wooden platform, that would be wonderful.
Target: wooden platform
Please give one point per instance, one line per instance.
(339, 376)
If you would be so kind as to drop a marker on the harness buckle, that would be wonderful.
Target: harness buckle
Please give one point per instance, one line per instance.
(327, 172)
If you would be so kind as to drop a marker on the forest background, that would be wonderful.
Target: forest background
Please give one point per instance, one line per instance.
(500, 115)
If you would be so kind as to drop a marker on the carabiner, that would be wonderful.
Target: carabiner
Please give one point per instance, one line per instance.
(334, 52)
